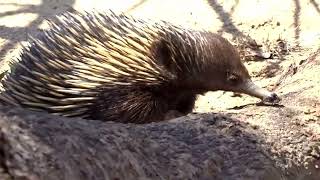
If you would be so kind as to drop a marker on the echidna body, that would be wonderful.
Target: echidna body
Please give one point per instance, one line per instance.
(117, 68)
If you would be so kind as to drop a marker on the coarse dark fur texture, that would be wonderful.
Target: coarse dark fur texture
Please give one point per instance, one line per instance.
(116, 68)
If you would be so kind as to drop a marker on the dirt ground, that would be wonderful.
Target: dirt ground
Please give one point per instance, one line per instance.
(278, 40)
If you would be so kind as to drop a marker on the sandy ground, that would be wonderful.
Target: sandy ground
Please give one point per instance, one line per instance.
(289, 29)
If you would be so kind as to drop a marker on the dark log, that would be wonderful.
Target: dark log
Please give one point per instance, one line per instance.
(208, 146)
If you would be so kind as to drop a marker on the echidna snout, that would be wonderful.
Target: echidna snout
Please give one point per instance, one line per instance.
(252, 89)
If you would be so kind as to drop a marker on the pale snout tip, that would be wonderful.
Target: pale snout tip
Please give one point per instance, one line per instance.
(266, 96)
(271, 98)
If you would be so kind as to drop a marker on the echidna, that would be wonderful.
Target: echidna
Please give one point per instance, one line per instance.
(114, 67)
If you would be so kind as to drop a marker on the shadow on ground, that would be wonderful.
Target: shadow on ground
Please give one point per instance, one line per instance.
(14, 35)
